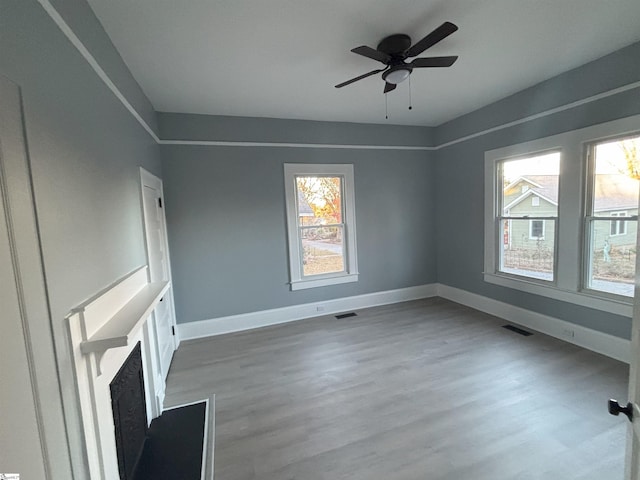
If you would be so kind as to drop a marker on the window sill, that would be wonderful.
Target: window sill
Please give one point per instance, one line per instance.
(324, 282)
(622, 307)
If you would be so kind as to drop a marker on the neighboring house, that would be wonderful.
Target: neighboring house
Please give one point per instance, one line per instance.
(537, 195)
(305, 213)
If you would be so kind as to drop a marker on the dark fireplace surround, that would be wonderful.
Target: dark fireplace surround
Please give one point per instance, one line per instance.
(129, 413)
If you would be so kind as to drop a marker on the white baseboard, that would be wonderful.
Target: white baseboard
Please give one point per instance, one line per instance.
(248, 321)
(599, 342)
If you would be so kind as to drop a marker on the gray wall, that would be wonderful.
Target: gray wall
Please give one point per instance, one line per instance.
(225, 210)
(85, 149)
(177, 126)
(460, 174)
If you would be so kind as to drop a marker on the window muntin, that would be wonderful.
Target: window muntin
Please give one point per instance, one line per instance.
(612, 186)
(321, 224)
(527, 246)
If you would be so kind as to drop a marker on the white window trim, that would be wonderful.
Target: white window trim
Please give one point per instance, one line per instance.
(568, 284)
(544, 227)
(350, 274)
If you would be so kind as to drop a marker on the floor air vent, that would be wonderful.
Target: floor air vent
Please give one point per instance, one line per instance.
(515, 329)
(346, 315)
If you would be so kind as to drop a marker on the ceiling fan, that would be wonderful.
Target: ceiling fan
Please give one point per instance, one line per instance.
(395, 49)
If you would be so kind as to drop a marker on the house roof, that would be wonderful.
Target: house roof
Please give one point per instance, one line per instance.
(304, 209)
(547, 186)
(612, 192)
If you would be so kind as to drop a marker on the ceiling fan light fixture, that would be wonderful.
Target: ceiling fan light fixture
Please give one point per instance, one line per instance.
(396, 76)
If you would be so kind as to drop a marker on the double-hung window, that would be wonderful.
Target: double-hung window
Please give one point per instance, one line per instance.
(526, 215)
(321, 224)
(612, 193)
(561, 215)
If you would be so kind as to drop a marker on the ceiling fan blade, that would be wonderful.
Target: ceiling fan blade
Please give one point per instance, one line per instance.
(372, 53)
(439, 34)
(389, 87)
(434, 62)
(344, 84)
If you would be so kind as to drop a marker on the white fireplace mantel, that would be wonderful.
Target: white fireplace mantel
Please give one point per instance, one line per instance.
(103, 331)
(122, 327)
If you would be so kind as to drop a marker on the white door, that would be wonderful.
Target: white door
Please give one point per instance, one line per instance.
(159, 267)
(632, 471)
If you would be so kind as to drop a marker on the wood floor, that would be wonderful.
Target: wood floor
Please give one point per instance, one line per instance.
(427, 390)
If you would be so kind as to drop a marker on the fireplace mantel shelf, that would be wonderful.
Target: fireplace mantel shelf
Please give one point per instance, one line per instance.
(120, 328)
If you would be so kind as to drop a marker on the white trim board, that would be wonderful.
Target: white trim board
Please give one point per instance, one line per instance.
(249, 321)
(344, 146)
(544, 113)
(609, 345)
(76, 42)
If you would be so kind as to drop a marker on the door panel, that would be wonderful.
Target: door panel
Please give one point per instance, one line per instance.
(633, 435)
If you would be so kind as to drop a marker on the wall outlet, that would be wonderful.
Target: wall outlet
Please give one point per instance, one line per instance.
(320, 308)
(568, 333)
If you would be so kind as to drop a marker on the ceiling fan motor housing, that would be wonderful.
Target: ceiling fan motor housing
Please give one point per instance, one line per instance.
(395, 45)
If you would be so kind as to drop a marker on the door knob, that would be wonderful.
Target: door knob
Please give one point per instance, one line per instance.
(616, 409)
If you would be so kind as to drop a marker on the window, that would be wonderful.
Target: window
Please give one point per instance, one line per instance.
(527, 248)
(612, 192)
(618, 227)
(578, 244)
(536, 229)
(321, 224)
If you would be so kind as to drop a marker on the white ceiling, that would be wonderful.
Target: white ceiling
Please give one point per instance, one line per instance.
(282, 58)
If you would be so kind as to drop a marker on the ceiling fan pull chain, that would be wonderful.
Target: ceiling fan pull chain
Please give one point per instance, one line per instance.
(410, 107)
(386, 107)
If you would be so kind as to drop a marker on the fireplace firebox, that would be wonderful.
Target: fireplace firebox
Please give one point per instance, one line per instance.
(129, 413)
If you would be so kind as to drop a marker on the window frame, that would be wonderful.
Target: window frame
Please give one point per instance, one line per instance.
(589, 216)
(499, 217)
(619, 223)
(297, 280)
(569, 264)
(531, 235)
